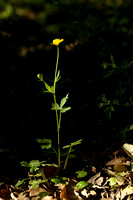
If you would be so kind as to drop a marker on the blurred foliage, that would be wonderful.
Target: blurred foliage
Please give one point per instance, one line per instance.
(93, 30)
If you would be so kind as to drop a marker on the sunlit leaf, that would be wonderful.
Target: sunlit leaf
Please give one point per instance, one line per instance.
(77, 142)
(49, 88)
(20, 182)
(35, 183)
(58, 179)
(82, 184)
(73, 144)
(55, 106)
(81, 174)
(112, 181)
(63, 101)
(63, 110)
(34, 164)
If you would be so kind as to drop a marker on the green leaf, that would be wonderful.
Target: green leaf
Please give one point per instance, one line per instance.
(112, 181)
(113, 64)
(81, 174)
(52, 165)
(77, 142)
(112, 109)
(34, 164)
(109, 73)
(24, 164)
(35, 183)
(49, 88)
(104, 99)
(57, 179)
(82, 184)
(40, 76)
(58, 76)
(131, 127)
(73, 144)
(63, 110)
(47, 143)
(20, 182)
(64, 100)
(55, 107)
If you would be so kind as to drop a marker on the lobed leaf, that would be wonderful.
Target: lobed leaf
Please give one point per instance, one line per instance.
(64, 100)
(55, 107)
(20, 182)
(47, 143)
(58, 76)
(63, 110)
(35, 183)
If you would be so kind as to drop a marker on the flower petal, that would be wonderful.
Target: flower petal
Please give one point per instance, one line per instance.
(56, 42)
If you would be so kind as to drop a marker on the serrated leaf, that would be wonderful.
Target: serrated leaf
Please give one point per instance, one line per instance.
(20, 182)
(58, 76)
(47, 143)
(63, 110)
(24, 164)
(34, 164)
(35, 183)
(73, 144)
(64, 100)
(112, 181)
(55, 107)
(81, 174)
(82, 184)
(49, 88)
(77, 142)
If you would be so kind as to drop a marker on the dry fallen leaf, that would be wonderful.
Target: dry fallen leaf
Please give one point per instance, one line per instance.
(5, 194)
(127, 191)
(115, 161)
(92, 180)
(120, 168)
(68, 193)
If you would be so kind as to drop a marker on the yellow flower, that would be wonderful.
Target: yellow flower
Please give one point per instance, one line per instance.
(56, 42)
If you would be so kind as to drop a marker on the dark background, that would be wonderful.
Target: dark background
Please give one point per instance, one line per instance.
(92, 30)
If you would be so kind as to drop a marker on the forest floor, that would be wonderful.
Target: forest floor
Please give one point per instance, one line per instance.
(107, 176)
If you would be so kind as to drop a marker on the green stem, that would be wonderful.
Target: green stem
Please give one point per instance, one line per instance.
(65, 165)
(56, 68)
(56, 111)
(44, 177)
